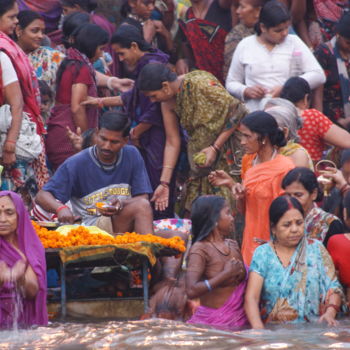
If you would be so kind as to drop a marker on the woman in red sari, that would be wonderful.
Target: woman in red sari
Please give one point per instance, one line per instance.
(19, 90)
(203, 34)
(75, 81)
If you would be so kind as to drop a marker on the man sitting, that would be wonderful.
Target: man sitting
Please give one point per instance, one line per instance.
(110, 172)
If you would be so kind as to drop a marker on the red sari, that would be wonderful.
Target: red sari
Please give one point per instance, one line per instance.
(207, 40)
(31, 105)
(78, 71)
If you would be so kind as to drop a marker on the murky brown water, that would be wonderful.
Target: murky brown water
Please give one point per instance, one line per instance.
(164, 335)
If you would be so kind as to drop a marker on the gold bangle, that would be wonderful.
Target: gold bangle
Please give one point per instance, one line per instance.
(168, 167)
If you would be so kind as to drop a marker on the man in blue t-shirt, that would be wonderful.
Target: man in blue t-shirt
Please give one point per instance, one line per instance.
(112, 173)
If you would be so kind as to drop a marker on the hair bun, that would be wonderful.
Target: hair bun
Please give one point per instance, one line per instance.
(279, 138)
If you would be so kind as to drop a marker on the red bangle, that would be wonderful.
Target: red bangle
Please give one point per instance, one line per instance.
(217, 149)
(100, 103)
(60, 208)
(335, 307)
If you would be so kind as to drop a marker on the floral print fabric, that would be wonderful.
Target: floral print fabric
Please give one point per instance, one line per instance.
(295, 293)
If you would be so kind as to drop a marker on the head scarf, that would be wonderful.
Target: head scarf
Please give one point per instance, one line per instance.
(34, 310)
(205, 214)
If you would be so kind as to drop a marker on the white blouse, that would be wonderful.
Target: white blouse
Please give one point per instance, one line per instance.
(9, 74)
(253, 64)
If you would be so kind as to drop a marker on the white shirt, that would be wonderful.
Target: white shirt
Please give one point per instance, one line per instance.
(9, 74)
(253, 64)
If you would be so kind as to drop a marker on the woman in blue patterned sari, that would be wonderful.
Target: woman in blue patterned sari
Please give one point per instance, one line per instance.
(292, 278)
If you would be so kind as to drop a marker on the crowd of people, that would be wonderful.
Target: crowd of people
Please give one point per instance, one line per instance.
(217, 111)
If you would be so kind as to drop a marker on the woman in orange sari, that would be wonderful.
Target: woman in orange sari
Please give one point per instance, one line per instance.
(262, 172)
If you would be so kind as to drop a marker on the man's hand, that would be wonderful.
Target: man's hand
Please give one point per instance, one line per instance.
(65, 216)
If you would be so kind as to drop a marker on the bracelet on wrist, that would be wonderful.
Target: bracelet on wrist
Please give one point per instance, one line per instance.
(206, 282)
(61, 208)
(334, 306)
(213, 148)
(165, 184)
(100, 102)
(217, 149)
(10, 141)
(168, 167)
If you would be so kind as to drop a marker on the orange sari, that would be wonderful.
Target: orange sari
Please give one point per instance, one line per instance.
(263, 185)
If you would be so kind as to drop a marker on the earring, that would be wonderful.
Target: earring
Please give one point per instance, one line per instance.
(263, 142)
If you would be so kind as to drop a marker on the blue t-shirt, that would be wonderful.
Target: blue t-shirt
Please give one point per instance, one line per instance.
(84, 181)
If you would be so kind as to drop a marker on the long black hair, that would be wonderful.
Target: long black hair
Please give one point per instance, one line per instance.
(265, 125)
(205, 213)
(71, 22)
(271, 15)
(86, 39)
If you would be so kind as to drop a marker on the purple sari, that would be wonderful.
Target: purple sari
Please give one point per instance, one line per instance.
(34, 311)
(142, 110)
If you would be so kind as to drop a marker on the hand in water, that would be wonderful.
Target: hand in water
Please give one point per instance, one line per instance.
(329, 317)
(18, 271)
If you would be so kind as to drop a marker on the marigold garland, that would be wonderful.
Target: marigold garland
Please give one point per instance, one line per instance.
(81, 236)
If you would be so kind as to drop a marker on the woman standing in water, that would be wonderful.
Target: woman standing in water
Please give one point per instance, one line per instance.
(22, 266)
(216, 272)
(293, 278)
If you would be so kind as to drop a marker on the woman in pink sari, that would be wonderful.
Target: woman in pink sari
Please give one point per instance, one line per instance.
(22, 267)
(216, 273)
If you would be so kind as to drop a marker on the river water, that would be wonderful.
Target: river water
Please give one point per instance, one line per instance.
(164, 335)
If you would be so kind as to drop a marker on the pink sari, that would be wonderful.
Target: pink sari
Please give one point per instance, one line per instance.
(231, 315)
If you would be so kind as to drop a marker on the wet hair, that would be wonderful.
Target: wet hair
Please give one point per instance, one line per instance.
(265, 125)
(295, 89)
(115, 121)
(71, 23)
(205, 213)
(26, 17)
(86, 5)
(88, 37)
(87, 136)
(306, 177)
(45, 89)
(128, 34)
(153, 75)
(343, 26)
(280, 206)
(271, 15)
(6, 5)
